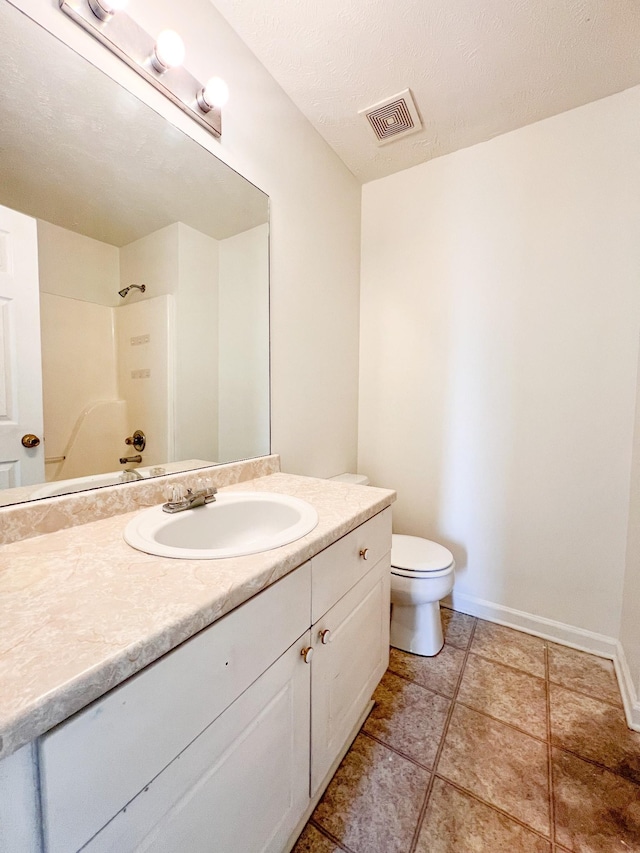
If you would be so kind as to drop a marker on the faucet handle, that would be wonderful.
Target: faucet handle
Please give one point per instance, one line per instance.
(201, 487)
(174, 493)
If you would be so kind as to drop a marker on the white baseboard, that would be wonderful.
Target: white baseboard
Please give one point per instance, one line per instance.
(630, 698)
(558, 632)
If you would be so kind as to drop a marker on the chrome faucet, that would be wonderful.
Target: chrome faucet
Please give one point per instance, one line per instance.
(190, 500)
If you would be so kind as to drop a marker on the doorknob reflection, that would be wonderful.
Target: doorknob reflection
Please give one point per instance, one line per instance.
(30, 440)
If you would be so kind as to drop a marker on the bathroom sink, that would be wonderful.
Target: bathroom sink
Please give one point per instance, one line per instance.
(234, 525)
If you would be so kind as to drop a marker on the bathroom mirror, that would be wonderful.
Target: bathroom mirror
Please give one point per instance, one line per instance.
(146, 261)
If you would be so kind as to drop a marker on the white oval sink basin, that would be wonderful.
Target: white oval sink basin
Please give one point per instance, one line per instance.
(234, 525)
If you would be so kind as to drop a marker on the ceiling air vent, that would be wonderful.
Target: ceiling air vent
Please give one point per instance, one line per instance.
(393, 118)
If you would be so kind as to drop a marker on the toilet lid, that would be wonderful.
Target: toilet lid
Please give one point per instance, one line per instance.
(414, 554)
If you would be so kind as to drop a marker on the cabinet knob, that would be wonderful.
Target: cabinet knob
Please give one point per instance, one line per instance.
(325, 636)
(364, 553)
(307, 654)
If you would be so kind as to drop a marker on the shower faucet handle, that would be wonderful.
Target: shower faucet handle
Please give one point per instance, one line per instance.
(138, 440)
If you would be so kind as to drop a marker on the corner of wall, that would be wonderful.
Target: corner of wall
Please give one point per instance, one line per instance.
(630, 698)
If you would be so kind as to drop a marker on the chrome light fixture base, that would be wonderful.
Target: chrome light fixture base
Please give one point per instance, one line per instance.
(124, 37)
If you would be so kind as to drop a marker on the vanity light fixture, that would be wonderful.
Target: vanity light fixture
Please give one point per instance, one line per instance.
(158, 60)
(168, 51)
(104, 9)
(214, 94)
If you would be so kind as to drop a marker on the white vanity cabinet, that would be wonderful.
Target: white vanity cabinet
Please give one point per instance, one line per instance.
(227, 742)
(96, 763)
(350, 639)
(240, 786)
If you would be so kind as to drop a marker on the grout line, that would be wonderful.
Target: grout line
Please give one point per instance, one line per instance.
(443, 736)
(502, 722)
(596, 764)
(544, 741)
(555, 846)
(470, 707)
(547, 677)
(446, 696)
(587, 695)
(508, 665)
(492, 806)
(552, 816)
(559, 746)
(419, 684)
(329, 836)
(397, 751)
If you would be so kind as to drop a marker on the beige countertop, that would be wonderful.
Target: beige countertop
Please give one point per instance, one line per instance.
(82, 611)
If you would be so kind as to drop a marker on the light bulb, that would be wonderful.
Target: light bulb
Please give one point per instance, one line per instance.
(104, 9)
(168, 51)
(214, 94)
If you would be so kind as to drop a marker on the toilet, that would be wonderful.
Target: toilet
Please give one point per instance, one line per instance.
(422, 573)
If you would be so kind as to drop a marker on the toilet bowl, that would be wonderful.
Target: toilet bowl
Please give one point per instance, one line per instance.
(422, 573)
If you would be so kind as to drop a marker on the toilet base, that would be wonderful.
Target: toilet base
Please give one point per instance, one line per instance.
(417, 628)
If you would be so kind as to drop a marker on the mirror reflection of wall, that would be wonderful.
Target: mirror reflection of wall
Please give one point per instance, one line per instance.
(184, 361)
(119, 197)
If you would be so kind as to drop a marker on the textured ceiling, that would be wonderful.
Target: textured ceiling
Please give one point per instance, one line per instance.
(476, 68)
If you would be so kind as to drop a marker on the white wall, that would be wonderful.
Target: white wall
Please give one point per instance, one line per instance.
(152, 260)
(78, 368)
(144, 332)
(77, 266)
(79, 279)
(315, 221)
(181, 261)
(500, 317)
(244, 346)
(196, 357)
(630, 623)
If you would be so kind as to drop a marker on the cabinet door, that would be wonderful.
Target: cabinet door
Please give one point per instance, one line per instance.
(99, 760)
(240, 786)
(347, 669)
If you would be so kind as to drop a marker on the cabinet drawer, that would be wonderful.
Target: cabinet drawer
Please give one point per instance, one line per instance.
(340, 566)
(98, 760)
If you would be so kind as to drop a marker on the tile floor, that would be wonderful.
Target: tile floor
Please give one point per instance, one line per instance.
(501, 743)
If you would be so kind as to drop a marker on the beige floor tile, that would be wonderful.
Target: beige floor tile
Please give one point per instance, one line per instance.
(510, 647)
(408, 717)
(374, 800)
(457, 823)
(439, 673)
(595, 810)
(586, 673)
(594, 730)
(509, 695)
(457, 627)
(313, 841)
(502, 766)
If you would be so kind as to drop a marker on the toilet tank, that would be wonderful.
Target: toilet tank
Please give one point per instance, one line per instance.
(354, 479)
